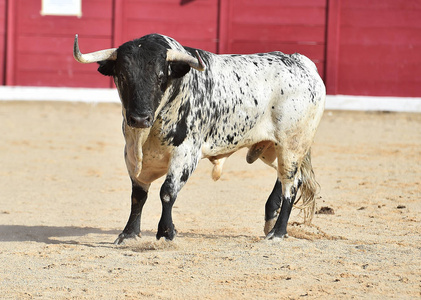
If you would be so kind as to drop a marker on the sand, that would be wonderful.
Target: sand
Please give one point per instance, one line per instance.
(65, 197)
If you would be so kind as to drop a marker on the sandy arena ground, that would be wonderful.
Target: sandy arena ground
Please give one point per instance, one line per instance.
(65, 197)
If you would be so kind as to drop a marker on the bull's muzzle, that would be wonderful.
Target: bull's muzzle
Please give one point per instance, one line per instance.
(139, 121)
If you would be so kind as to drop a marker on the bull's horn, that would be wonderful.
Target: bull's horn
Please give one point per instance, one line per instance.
(107, 54)
(195, 63)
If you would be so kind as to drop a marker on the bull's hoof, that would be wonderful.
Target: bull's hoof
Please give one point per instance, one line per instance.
(274, 236)
(122, 237)
(168, 234)
(269, 226)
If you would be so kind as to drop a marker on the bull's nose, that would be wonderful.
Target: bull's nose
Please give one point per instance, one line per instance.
(139, 121)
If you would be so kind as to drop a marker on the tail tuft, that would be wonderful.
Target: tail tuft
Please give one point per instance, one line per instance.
(308, 189)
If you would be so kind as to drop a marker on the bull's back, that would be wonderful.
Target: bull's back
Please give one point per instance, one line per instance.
(256, 95)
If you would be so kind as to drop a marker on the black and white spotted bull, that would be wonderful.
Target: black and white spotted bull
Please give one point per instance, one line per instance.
(182, 104)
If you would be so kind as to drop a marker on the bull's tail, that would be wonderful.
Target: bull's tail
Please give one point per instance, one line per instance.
(308, 189)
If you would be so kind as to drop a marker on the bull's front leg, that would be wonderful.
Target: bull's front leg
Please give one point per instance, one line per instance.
(182, 165)
(132, 229)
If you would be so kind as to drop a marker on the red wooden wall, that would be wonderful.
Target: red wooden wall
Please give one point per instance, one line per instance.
(191, 22)
(3, 21)
(40, 47)
(251, 26)
(378, 48)
(360, 47)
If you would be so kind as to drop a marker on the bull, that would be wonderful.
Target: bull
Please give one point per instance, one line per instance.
(181, 104)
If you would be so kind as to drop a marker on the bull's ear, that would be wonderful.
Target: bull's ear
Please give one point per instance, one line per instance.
(106, 67)
(178, 69)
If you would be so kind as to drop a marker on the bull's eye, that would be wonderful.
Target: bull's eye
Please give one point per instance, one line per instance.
(161, 80)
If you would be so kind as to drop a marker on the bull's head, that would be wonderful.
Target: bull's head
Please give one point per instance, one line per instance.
(142, 70)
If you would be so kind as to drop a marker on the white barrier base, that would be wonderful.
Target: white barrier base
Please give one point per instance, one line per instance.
(96, 95)
(371, 103)
(29, 93)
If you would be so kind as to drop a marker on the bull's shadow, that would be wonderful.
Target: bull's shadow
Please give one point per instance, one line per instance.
(52, 234)
(47, 234)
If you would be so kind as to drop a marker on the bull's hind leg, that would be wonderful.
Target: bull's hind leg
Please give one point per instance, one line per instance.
(132, 229)
(273, 204)
(272, 207)
(288, 175)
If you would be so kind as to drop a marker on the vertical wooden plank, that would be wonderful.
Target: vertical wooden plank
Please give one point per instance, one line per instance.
(332, 46)
(3, 35)
(10, 43)
(117, 34)
(117, 22)
(223, 25)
